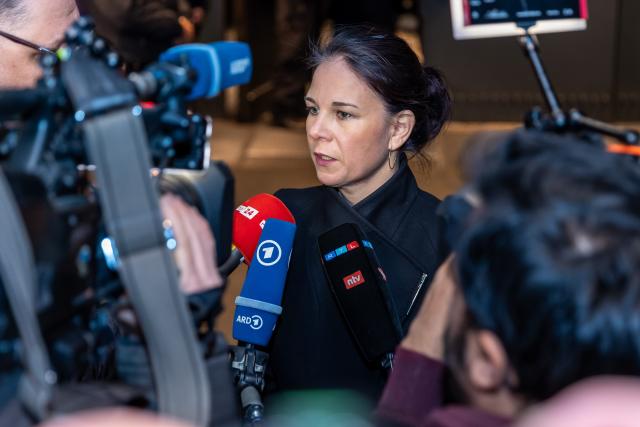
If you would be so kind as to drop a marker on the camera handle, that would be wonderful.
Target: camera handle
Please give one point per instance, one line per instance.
(558, 120)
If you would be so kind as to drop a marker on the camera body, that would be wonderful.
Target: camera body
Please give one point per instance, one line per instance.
(58, 156)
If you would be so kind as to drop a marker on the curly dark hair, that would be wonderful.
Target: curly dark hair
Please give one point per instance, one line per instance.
(551, 263)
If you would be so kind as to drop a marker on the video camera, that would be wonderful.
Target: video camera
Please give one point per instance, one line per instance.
(84, 156)
(473, 19)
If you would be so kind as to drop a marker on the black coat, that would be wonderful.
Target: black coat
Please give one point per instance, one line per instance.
(312, 346)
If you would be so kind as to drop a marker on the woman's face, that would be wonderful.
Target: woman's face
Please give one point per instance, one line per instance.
(348, 131)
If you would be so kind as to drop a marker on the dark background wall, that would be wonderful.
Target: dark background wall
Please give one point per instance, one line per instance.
(597, 70)
(628, 85)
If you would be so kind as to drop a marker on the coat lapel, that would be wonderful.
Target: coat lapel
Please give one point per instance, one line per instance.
(380, 216)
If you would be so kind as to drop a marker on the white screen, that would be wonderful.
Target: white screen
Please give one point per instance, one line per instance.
(461, 32)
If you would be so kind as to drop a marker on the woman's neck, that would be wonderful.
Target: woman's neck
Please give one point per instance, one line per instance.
(358, 191)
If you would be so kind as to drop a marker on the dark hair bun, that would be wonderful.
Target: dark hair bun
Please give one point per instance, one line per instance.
(437, 110)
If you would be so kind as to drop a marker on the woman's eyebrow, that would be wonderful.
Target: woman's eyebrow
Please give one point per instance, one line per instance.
(334, 103)
(343, 104)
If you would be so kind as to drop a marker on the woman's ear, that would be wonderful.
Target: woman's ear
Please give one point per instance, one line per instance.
(402, 124)
(487, 362)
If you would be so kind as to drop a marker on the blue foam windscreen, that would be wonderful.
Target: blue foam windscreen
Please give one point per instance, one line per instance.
(218, 65)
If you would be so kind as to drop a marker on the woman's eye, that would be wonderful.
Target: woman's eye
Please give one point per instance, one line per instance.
(312, 110)
(343, 115)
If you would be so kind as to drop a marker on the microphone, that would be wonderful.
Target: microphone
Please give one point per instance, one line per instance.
(249, 220)
(211, 68)
(258, 306)
(361, 292)
(257, 309)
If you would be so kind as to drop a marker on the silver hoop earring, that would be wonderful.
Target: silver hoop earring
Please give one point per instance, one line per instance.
(394, 163)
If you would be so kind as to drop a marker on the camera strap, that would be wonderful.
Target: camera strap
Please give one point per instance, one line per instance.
(117, 144)
(18, 272)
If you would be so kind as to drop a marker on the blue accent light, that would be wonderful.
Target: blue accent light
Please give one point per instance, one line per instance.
(341, 250)
(331, 255)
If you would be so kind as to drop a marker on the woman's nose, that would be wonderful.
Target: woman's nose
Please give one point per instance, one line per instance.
(317, 128)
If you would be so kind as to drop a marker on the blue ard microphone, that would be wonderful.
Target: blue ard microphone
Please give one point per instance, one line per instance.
(219, 65)
(203, 70)
(258, 306)
(257, 309)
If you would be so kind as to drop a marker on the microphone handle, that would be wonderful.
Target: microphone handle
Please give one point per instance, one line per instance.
(249, 366)
(234, 260)
(252, 407)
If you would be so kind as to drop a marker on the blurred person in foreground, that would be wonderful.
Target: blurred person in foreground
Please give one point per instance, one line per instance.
(542, 289)
(605, 401)
(32, 28)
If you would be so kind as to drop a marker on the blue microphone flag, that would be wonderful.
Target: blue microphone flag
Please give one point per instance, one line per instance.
(258, 306)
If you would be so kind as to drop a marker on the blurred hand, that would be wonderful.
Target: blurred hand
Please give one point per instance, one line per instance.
(426, 333)
(195, 253)
(188, 30)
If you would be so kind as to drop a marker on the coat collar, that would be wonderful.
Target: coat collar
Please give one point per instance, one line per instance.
(387, 207)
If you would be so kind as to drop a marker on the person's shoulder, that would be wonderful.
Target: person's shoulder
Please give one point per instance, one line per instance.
(299, 200)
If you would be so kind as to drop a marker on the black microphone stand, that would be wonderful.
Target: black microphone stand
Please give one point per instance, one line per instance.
(557, 119)
(249, 366)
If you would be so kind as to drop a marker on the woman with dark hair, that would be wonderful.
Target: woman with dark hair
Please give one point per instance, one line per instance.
(369, 103)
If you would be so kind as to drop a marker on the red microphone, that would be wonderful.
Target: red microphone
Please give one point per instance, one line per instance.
(249, 219)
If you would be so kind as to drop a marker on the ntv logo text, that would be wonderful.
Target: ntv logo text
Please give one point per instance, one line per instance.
(353, 280)
(255, 321)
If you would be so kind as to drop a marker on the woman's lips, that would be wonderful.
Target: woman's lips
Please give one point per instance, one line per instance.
(323, 160)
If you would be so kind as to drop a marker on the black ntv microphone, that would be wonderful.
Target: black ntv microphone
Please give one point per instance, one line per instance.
(361, 292)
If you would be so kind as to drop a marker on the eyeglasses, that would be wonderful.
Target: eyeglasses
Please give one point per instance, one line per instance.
(27, 43)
